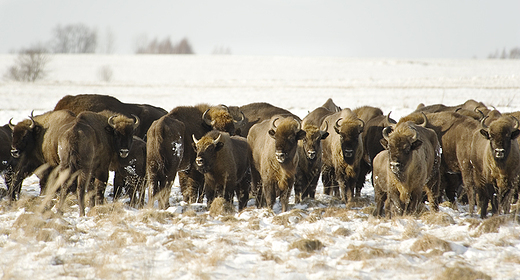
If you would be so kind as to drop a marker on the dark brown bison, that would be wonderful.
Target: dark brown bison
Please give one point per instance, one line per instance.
(7, 162)
(495, 158)
(342, 154)
(468, 106)
(87, 147)
(329, 105)
(97, 103)
(309, 163)
(167, 153)
(35, 143)
(274, 144)
(225, 162)
(407, 167)
(130, 173)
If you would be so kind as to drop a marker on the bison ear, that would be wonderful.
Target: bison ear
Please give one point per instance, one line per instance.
(485, 133)
(324, 134)
(271, 132)
(416, 144)
(37, 129)
(515, 134)
(109, 129)
(219, 146)
(384, 143)
(301, 134)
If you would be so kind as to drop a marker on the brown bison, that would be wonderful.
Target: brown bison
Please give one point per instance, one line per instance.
(225, 162)
(35, 143)
(167, 153)
(274, 144)
(309, 163)
(86, 149)
(7, 162)
(254, 113)
(407, 167)
(97, 103)
(342, 154)
(130, 173)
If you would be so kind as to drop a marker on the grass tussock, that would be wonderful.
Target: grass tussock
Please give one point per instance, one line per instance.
(270, 256)
(437, 218)
(307, 245)
(365, 252)
(342, 232)
(33, 225)
(292, 217)
(221, 207)
(358, 202)
(106, 210)
(461, 272)
(336, 212)
(491, 224)
(430, 245)
(411, 229)
(151, 215)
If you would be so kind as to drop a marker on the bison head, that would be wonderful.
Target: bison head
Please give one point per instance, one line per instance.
(400, 145)
(122, 130)
(312, 140)
(349, 131)
(219, 118)
(500, 133)
(206, 149)
(286, 135)
(25, 135)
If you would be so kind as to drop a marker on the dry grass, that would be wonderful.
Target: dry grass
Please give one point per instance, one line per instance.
(491, 224)
(336, 212)
(220, 207)
(437, 218)
(270, 256)
(461, 272)
(292, 217)
(411, 229)
(31, 225)
(151, 215)
(342, 232)
(430, 245)
(365, 252)
(307, 245)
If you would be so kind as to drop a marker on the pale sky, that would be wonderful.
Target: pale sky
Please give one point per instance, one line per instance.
(368, 28)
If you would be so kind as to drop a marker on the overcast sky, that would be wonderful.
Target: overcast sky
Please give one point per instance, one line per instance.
(368, 28)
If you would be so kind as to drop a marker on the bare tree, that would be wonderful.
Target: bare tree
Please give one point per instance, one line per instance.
(74, 38)
(164, 47)
(29, 65)
(108, 43)
(514, 53)
(221, 50)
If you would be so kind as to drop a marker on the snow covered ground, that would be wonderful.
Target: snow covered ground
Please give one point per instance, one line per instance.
(317, 239)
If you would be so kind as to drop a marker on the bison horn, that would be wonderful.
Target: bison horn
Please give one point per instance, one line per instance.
(217, 140)
(337, 122)
(11, 125)
(326, 126)
(516, 122)
(362, 123)
(425, 120)
(389, 120)
(31, 117)
(239, 122)
(272, 124)
(482, 122)
(136, 121)
(480, 112)
(111, 121)
(299, 124)
(386, 131)
(224, 107)
(194, 139)
(205, 117)
(414, 138)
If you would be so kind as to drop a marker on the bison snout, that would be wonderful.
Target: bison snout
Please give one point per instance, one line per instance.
(395, 167)
(500, 153)
(199, 161)
(15, 153)
(311, 154)
(348, 153)
(123, 153)
(280, 157)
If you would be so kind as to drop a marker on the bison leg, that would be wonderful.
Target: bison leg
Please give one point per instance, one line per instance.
(269, 194)
(310, 191)
(483, 201)
(284, 199)
(363, 171)
(192, 183)
(327, 177)
(118, 185)
(242, 192)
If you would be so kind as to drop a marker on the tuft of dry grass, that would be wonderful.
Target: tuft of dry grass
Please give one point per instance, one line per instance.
(269, 256)
(437, 218)
(342, 232)
(491, 224)
(365, 252)
(411, 229)
(431, 245)
(336, 212)
(307, 245)
(461, 272)
(150, 215)
(33, 225)
(221, 207)
(292, 217)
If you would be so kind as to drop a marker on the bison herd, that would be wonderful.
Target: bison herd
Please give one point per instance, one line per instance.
(466, 153)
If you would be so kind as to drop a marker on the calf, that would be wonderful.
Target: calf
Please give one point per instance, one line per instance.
(225, 162)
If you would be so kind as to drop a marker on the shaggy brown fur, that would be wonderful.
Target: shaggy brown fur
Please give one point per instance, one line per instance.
(274, 146)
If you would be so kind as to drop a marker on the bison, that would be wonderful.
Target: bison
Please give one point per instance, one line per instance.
(167, 153)
(342, 154)
(130, 173)
(254, 113)
(86, 149)
(7, 162)
(35, 143)
(225, 162)
(407, 167)
(97, 103)
(274, 144)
